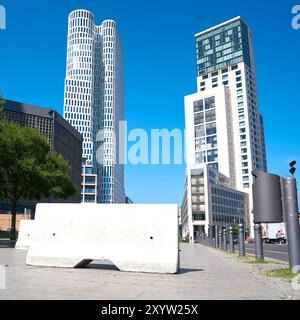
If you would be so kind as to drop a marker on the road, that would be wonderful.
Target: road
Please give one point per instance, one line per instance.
(274, 251)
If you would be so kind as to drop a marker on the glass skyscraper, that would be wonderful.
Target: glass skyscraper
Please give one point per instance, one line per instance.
(94, 104)
(222, 47)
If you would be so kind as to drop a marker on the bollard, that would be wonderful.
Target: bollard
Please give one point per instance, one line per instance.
(290, 205)
(220, 238)
(212, 236)
(216, 237)
(259, 251)
(225, 247)
(231, 245)
(241, 241)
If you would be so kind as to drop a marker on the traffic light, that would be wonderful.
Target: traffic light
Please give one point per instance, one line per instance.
(293, 169)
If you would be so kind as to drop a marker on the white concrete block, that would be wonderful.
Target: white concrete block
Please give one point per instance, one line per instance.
(134, 237)
(26, 232)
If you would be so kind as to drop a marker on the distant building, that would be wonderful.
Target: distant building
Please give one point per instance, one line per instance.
(210, 201)
(62, 137)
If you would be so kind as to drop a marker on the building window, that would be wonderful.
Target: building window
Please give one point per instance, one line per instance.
(199, 118)
(225, 70)
(210, 115)
(210, 103)
(214, 166)
(199, 132)
(211, 129)
(212, 155)
(199, 217)
(211, 142)
(201, 157)
(200, 144)
(198, 106)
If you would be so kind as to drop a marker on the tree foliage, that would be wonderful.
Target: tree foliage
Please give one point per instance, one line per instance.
(28, 170)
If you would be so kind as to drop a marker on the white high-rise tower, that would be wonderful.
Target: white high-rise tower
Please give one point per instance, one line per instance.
(224, 129)
(94, 104)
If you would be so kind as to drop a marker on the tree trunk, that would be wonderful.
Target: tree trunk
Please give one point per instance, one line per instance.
(13, 220)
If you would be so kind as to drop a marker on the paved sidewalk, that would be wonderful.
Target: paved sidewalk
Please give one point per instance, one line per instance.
(205, 274)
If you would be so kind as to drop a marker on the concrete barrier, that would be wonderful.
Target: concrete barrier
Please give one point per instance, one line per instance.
(25, 236)
(139, 238)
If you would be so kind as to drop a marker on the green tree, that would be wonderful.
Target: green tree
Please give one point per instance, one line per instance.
(28, 170)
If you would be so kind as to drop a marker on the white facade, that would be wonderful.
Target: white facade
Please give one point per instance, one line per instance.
(225, 72)
(94, 103)
(216, 125)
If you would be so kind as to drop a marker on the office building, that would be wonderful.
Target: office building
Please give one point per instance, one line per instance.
(94, 104)
(224, 128)
(209, 201)
(61, 136)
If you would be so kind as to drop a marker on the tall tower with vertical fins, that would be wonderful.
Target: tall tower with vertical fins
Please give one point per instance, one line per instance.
(94, 104)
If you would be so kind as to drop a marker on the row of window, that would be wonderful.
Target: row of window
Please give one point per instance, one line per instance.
(222, 71)
(227, 194)
(227, 202)
(227, 219)
(224, 81)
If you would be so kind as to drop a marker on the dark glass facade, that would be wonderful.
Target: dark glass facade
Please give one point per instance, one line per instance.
(222, 47)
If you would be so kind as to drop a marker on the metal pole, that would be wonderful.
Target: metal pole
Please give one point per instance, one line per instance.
(231, 245)
(225, 247)
(213, 236)
(216, 237)
(290, 204)
(242, 240)
(259, 251)
(220, 238)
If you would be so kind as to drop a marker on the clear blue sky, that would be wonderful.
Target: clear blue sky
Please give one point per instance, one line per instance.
(159, 69)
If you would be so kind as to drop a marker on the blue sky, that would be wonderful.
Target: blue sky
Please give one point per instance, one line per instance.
(159, 69)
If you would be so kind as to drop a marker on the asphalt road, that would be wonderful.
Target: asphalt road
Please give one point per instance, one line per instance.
(274, 251)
